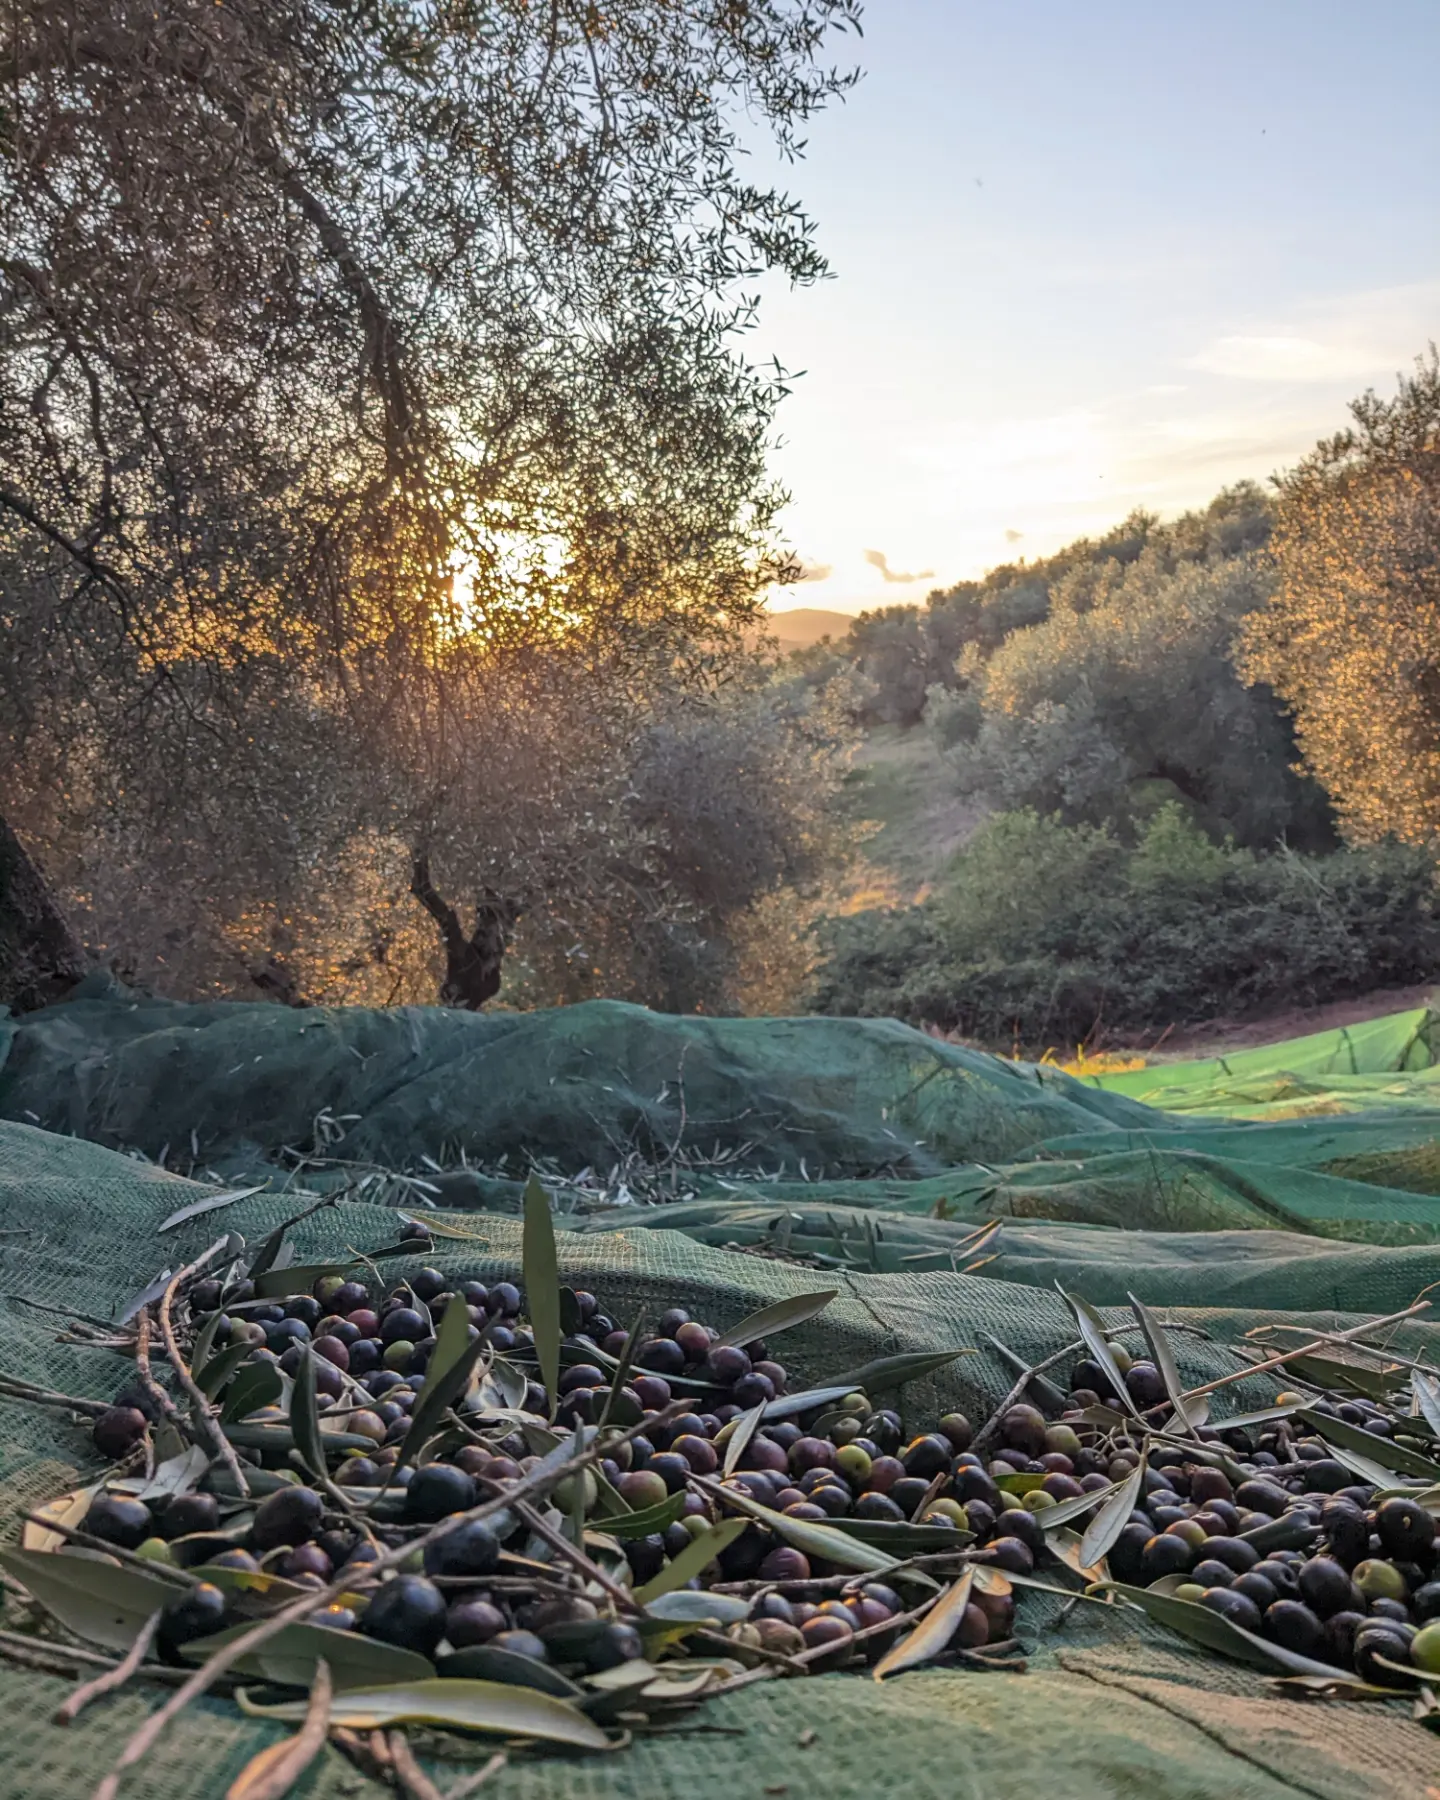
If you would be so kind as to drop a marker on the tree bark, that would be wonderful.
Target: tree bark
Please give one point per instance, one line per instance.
(472, 963)
(40, 957)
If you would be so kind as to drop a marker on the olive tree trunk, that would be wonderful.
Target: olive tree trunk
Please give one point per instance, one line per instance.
(40, 957)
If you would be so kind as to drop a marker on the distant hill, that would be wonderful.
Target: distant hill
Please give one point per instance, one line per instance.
(806, 625)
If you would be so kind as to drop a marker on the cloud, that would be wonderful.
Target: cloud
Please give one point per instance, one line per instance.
(1346, 338)
(876, 560)
(812, 571)
(1013, 537)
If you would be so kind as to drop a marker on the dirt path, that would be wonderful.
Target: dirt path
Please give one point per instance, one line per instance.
(1221, 1035)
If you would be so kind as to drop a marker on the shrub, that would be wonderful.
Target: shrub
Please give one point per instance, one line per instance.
(1044, 933)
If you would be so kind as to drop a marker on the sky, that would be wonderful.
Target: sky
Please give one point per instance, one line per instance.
(1088, 258)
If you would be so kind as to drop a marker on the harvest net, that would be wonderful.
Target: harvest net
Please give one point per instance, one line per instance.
(1110, 1705)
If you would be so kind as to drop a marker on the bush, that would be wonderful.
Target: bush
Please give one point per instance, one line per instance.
(1043, 933)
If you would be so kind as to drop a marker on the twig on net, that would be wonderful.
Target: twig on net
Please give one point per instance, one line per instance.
(471, 1782)
(112, 1678)
(992, 1424)
(38, 1396)
(272, 1774)
(205, 1422)
(408, 1772)
(161, 1401)
(1306, 1349)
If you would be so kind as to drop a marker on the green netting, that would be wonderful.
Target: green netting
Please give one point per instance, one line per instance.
(1109, 1708)
(1386, 1062)
(866, 1149)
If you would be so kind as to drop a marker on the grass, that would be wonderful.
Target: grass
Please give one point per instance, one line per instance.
(900, 785)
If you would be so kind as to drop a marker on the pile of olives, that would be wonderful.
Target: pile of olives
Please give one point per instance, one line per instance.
(835, 1459)
(1352, 1579)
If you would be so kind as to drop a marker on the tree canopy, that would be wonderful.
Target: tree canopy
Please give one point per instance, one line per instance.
(1350, 639)
(379, 464)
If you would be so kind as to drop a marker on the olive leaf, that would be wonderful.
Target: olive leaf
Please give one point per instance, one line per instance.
(901, 1538)
(66, 1509)
(463, 1705)
(257, 1385)
(693, 1606)
(779, 1317)
(805, 1534)
(300, 1278)
(742, 1430)
(1189, 1412)
(204, 1343)
(542, 1283)
(1218, 1633)
(305, 1416)
(289, 1657)
(1339, 1433)
(452, 1363)
(807, 1400)
(176, 1475)
(1291, 1531)
(246, 1435)
(486, 1662)
(101, 1602)
(698, 1554)
(934, 1632)
(1334, 1372)
(146, 1297)
(219, 1369)
(1427, 1398)
(1024, 1481)
(1367, 1468)
(648, 1520)
(198, 1208)
(572, 1320)
(1109, 1522)
(622, 1373)
(888, 1372)
(1092, 1335)
(1051, 1518)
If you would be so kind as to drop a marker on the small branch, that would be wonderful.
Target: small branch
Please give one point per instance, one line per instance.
(992, 1424)
(471, 1782)
(112, 1678)
(1307, 1349)
(164, 1405)
(38, 1396)
(205, 1422)
(408, 1772)
(272, 1774)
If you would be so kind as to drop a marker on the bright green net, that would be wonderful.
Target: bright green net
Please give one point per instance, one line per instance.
(892, 1129)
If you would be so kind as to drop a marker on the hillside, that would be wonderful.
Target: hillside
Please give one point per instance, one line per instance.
(805, 626)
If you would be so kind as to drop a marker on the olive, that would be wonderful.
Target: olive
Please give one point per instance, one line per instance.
(1390, 1609)
(672, 1469)
(1010, 1554)
(693, 1339)
(671, 1321)
(645, 1555)
(1237, 1607)
(1163, 1556)
(752, 1390)
(1323, 1475)
(1379, 1580)
(1404, 1527)
(333, 1351)
(830, 1631)
(118, 1430)
(1425, 1649)
(1235, 1553)
(1293, 1626)
(235, 1559)
(470, 1549)
(1127, 1553)
(407, 1611)
(1211, 1574)
(881, 1506)
(1425, 1602)
(811, 1453)
(473, 1622)
(699, 1452)
(663, 1356)
(956, 1429)
(1382, 1638)
(1023, 1428)
(927, 1456)
(1347, 1531)
(1146, 1384)
(505, 1298)
(403, 1323)
(119, 1521)
(187, 1513)
(1326, 1587)
(1262, 1497)
(436, 1490)
(306, 1559)
(521, 1643)
(288, 1516)
(1340, 1630)
(197, 1613)
(1255, 1587)
(428, 1284)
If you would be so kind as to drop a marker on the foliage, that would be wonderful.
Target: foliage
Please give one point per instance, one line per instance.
(1351, 637)
(378, 468)
(1046, 933)
(1128, 688)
